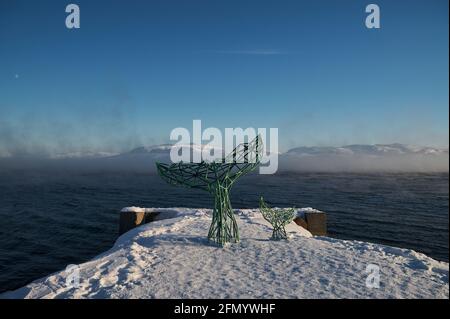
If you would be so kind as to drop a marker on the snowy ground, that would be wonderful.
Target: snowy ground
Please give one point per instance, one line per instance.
(171, 258)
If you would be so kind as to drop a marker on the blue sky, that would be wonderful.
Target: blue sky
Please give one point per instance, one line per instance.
(137, 69)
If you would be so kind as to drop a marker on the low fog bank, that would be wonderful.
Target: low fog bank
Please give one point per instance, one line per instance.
(145, 163)
(138, 164)
(366, 163)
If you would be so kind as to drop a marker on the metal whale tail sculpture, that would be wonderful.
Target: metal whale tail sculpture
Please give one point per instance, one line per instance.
(217, 178)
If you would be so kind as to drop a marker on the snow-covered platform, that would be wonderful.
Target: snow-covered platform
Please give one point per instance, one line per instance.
(171, 258)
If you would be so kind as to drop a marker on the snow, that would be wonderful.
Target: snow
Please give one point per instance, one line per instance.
(171, 258)
(169, 212)
(134, 209)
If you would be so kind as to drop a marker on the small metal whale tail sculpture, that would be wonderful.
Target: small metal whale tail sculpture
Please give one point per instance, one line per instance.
(278, 218)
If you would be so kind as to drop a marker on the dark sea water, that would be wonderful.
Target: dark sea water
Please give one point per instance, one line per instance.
(50, 220)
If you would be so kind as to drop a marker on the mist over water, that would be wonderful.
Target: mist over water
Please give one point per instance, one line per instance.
(141, 160)
(54, 218)
(367, 163)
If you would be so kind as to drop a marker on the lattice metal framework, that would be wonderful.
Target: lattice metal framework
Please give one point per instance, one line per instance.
(217, 178)
(278, 218)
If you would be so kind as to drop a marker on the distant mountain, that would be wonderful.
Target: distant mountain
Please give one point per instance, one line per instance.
(144, 158)
(155, 149)
(366, 158)
(75, 155)
(374, 150)
(165, 148)
(350, 158)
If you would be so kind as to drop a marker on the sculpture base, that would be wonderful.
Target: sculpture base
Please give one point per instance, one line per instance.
(223, 228)
(279, 234)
